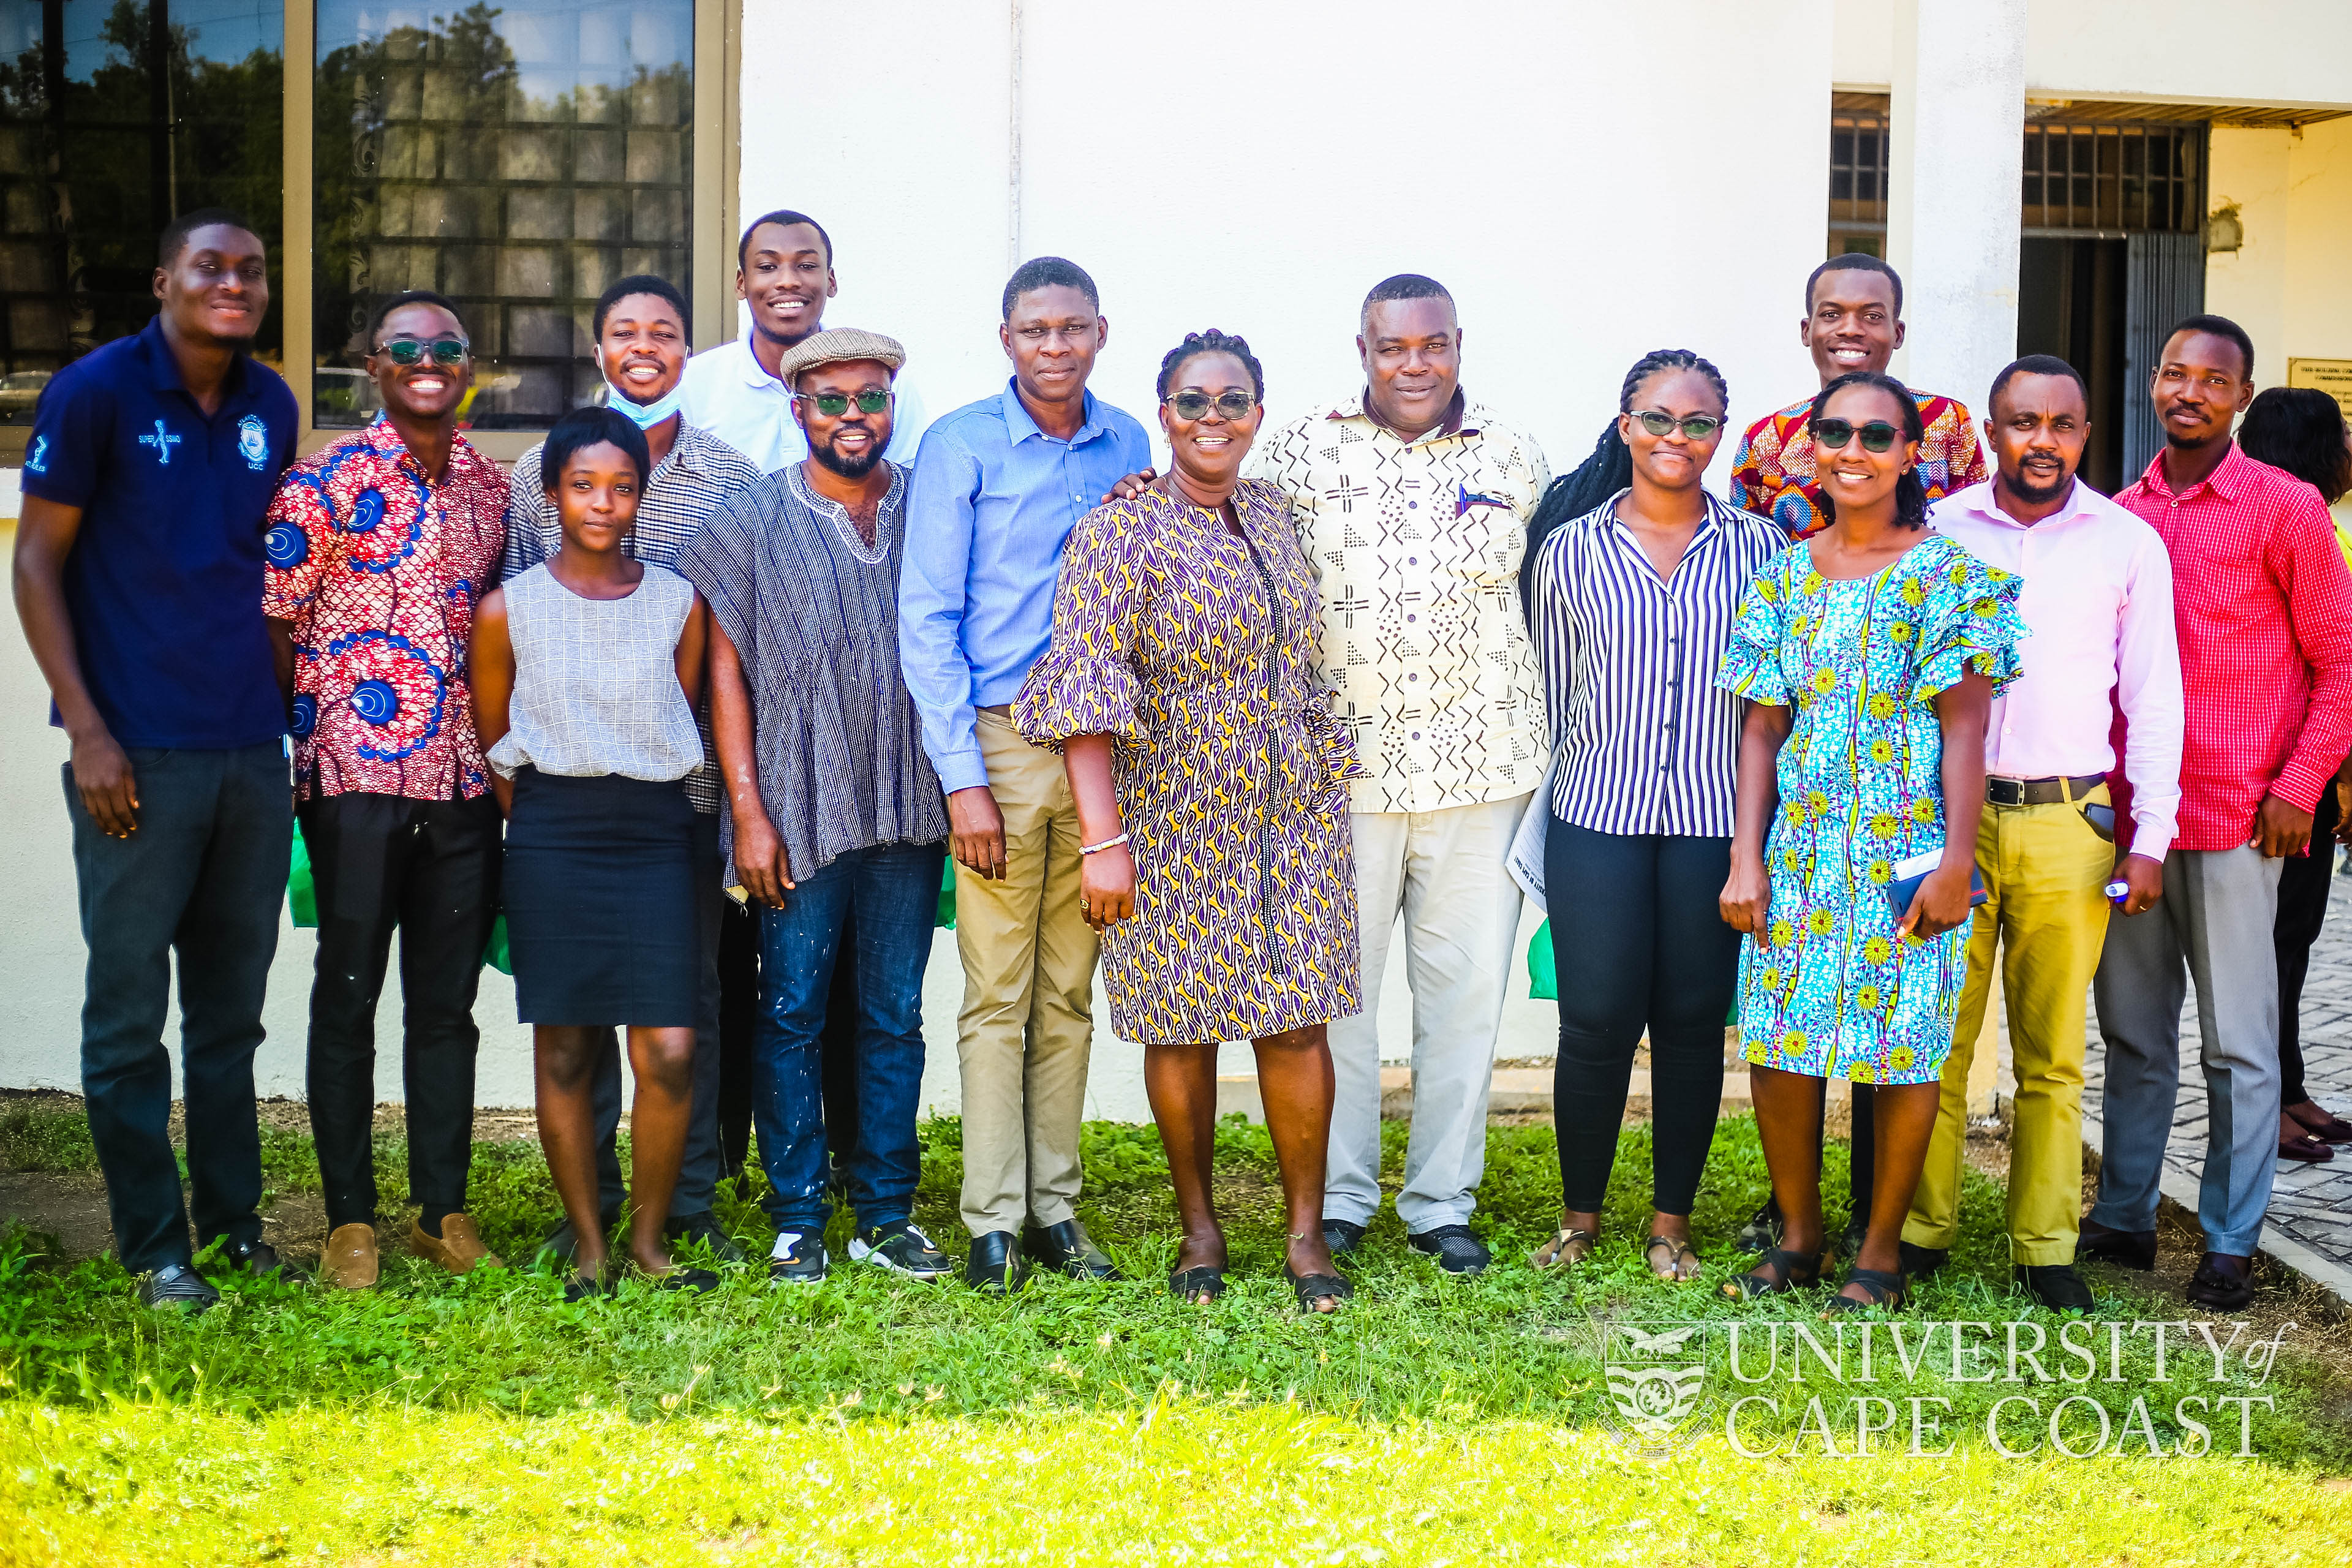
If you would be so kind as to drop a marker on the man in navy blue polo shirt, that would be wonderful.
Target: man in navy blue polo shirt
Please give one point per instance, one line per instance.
(138, 578)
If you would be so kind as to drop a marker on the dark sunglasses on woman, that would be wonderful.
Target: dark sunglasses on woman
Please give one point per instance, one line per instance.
(834, 405)
(1696, 427)
(451, 352)
(1876, 437)
(1196, 405)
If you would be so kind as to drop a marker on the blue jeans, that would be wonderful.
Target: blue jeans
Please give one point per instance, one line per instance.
(893, 890)
(203, 879)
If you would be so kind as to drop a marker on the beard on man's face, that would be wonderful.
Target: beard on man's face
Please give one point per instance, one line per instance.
(851, 467)
(2039, 495)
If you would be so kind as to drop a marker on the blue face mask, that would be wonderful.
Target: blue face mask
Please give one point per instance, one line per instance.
(644, 416)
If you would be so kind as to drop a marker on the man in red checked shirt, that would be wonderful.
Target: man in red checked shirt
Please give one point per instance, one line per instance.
(1853, 320)
(2263, 605)
(378, 549)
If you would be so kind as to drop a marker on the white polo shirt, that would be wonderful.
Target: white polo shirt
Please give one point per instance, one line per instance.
(726, 392)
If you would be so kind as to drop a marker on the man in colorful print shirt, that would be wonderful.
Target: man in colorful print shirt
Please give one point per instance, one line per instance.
(379, 547)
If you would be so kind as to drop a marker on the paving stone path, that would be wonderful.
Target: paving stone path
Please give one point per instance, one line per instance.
(2310, 1226)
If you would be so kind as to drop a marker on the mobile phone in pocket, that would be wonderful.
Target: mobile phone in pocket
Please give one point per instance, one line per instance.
(2102, 819)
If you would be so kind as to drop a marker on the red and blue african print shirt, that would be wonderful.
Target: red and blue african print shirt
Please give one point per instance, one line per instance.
(1773, 473)
(379, 571)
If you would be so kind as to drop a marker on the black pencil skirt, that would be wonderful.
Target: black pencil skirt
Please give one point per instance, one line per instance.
(599, 895)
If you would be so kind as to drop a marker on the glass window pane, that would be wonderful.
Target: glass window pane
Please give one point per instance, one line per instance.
(116, 116)
(517, 158)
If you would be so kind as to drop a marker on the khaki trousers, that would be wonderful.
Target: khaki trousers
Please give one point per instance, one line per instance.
(2045, 872)
(1026, 1029)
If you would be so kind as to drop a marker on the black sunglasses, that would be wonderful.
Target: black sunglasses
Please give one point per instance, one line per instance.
(1876, 437)
(834, 405)
(1190, 404)
(1696, 426)
(450, 351)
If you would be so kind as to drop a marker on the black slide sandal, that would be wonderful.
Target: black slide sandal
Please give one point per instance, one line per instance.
(1885, 1288)
(1797, 1271)
(1187, 1283)
(1313, 1287)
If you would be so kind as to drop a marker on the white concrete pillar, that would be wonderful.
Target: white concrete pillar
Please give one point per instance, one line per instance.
(1957, 131)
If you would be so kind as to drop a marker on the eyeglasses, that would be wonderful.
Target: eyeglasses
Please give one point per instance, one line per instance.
(834, 405)
(412, 351)
(1196, 405)
(1834, 433)
(1696, 426)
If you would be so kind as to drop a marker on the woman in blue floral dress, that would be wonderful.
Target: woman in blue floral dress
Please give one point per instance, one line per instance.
(1869, 655)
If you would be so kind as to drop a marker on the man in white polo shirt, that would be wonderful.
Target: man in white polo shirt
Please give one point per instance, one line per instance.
(784, 273)
(2098, 599)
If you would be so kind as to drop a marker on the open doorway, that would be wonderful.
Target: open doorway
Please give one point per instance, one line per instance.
(2071, 296)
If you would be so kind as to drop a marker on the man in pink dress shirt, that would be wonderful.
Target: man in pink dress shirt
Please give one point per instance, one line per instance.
(2099, 600)
(2263, 608)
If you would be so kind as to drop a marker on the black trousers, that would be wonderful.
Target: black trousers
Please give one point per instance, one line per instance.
(2302, 889)
(1640, 943)
(429, 870)
(201, 880)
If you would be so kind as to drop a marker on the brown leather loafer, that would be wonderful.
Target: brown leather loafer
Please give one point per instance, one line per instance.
(349, 1263)
(458, 1248)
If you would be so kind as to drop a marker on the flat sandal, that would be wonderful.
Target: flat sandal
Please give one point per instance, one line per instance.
(1677, 1251)
(1797, 1271)
(1570, 1248)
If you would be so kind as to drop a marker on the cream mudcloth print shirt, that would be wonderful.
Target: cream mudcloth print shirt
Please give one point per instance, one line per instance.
(1415, 548)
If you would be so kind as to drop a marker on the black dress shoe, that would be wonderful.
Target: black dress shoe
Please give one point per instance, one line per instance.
(2222, 1283)
(1342, 1237)
(703, 1228)
(259, 1258)
(2056, 1285)
(563, 1243)
(994, 1264)
(1762, 1231)
(2132, 1249)
(1067, 1249)
(1919, 1262)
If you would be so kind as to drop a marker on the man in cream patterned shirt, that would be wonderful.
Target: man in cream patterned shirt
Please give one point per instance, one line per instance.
(1412, 504)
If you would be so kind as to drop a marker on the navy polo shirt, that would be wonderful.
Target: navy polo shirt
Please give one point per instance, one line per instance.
(164, 580)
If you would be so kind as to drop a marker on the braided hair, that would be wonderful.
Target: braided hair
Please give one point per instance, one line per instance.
(1910, 491)
(1610, 467)
(1212, 342)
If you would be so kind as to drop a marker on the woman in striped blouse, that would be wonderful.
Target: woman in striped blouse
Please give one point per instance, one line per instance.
(1630, 607)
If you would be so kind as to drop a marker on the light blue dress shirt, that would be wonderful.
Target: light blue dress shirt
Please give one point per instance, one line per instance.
(994, 499)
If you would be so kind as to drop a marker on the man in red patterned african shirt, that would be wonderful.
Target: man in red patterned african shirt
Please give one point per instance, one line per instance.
(1853, 320)
(378, 549)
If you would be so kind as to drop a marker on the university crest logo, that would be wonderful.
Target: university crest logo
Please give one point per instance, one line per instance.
(253, 441)
(1656, 1383)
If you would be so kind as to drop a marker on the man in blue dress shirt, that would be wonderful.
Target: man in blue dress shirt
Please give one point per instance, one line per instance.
(998, 486)
(138, 575)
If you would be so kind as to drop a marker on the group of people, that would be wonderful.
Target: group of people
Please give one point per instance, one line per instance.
(707, 693)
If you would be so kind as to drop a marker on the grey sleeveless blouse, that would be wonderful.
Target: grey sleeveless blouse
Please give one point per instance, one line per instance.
(596, 687)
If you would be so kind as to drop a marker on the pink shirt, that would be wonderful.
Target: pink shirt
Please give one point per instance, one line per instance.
(2097, 606)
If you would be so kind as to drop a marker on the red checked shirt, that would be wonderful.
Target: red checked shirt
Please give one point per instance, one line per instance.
(2263, 605)
(379, 572)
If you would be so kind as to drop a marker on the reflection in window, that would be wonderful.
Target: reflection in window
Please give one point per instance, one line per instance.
(516, 158)
(116, 116)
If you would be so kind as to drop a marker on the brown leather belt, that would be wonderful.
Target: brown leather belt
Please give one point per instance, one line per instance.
(2041, 791)
(1002, 710)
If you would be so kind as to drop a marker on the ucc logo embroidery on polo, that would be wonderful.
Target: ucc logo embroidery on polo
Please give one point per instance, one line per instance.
(38, 463)
(162, 440)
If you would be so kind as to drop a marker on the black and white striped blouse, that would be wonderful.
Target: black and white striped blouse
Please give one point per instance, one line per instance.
(1645, 740)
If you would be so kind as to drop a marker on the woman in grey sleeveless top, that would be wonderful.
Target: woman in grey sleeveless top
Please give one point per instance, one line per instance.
(586, 671)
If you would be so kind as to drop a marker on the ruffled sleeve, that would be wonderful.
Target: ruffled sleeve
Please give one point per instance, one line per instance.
(1085, 683)
(1969, 622)
(1751, 654)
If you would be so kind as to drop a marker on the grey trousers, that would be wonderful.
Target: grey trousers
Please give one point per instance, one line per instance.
(1442, 871)
(2212, 927)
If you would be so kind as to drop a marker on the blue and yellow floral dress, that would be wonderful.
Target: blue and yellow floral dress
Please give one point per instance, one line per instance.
(1829, 989)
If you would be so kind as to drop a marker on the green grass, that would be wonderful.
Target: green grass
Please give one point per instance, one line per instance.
(872, 1420)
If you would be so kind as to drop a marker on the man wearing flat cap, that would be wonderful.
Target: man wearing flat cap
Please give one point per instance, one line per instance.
(835, 818)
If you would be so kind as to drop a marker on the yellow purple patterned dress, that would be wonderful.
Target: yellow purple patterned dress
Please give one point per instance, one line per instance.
(1194, 650)
(1829, 989)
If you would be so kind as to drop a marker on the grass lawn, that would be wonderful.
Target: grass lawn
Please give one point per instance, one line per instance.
(874, 1421)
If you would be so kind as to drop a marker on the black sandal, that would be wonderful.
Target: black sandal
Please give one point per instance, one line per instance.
(698, 1280)
(1189, 1283)
(1885, 1288)
(1797, 1271)
(1313, 1287)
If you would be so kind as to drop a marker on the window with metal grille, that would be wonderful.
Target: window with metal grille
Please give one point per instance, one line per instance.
(1858, 138)
(2114, 177)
